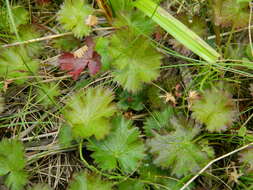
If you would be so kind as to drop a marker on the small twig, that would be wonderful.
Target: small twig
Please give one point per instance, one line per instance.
(50, 37)
(37, 39)
(213, 161)
(227, 33)
(97, 80)
(40, 136)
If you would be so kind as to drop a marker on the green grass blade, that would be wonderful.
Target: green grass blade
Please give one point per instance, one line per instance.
(178, 30)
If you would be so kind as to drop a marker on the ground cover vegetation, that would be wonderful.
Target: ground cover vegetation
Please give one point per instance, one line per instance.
(126, 95)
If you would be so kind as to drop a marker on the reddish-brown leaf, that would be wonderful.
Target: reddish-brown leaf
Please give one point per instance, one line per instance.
(75, 65)
(95, 64)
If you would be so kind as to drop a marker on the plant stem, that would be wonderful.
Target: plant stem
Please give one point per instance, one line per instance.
(213, 161)
(92, 168)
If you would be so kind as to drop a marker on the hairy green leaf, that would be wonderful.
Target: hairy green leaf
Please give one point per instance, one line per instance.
(177, 149)
(122, 147)
(134, 65)
(85, 181)
(73, 16)
(216, 109)
(135, 22)
(16, 180)
(12, 163)
(88, 112)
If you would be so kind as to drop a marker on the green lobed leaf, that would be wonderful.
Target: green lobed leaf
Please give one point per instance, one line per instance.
(12, 163)
(85, 181)
(88, 112)
(16, 180)
(73, 15)
(133, 65)
(177, 149)
(135, 22)
(122, 147)
(159, 178)
(216, 109)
